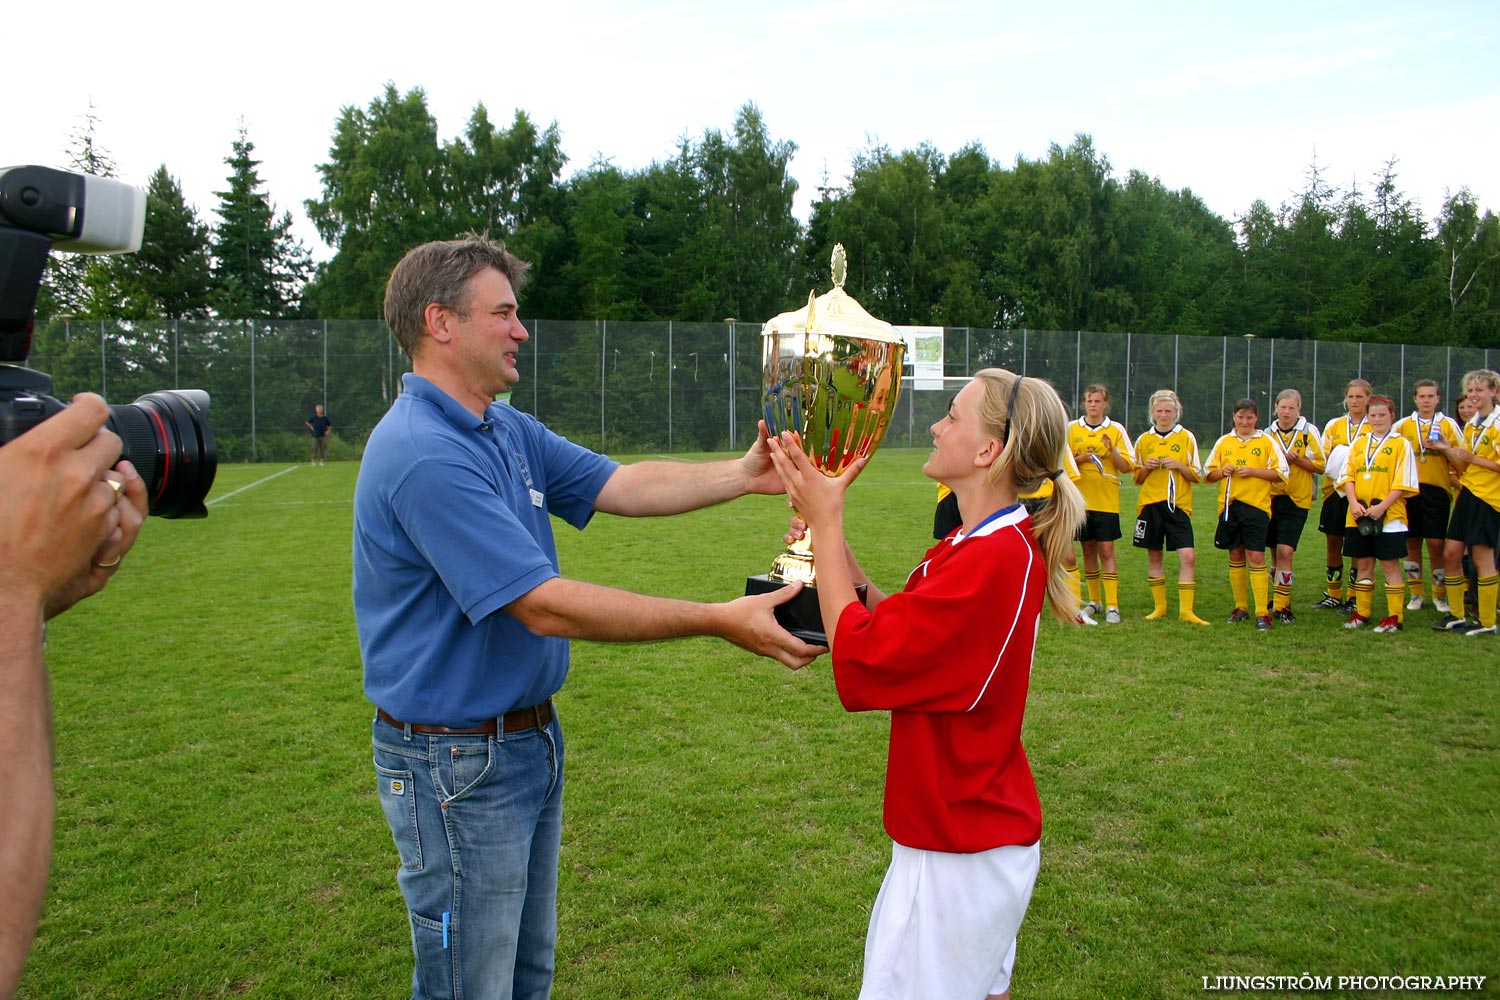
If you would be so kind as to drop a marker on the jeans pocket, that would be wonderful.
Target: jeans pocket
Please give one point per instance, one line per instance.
(430, 945)
(399, 800)
(467, 766)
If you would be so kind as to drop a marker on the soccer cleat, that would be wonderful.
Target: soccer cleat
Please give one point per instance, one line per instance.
(1390, 623)
(1084, 618)
(1356, 620)
(1111, 616)
(1263, 623)
(1415, 604)
(1450, 623)
(1330, 604)
(1349, 607)
(1239, 615)
(1484, 630)
(1091, 609)
(1441, 605)
(1285, 616)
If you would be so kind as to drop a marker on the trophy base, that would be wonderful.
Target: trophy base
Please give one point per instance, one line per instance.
(800, 616)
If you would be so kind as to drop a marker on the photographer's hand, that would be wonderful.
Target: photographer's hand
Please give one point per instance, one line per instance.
(64, 523)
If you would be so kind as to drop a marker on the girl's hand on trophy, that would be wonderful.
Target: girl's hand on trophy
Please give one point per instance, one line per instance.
(818, 498)
(797, 529)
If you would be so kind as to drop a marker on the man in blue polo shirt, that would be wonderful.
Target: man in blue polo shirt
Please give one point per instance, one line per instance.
(464, 618)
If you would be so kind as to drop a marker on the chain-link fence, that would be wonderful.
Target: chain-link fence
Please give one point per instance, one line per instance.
(634, 388)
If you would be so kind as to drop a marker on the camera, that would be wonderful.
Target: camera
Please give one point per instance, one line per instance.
(165, 434)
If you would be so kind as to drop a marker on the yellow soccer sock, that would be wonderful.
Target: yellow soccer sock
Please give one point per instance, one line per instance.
(1094, 588)
(1395, 594)
(1489, 589)
(1187, 593)
(1075, 582)
(1239, 584)
(1335, 586)
(1282, 601)
(1364, 597)
(1458, 587)
(1259, 589)
(1111, 589)
(1158, 585)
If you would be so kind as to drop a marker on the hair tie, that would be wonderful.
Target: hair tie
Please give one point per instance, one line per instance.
(1055, 475)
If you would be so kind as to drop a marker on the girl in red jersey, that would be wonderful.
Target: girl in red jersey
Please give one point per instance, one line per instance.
(949, 657)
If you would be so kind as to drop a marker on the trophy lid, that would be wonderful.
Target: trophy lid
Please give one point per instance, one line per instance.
(834, 313)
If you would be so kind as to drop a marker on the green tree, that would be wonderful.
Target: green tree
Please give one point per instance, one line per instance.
(170, 276)
(384, 192)
(75, 285)
(259, 266)
(1469, 268)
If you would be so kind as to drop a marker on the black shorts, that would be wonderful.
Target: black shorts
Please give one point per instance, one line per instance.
(1474, 521)
(1099, 526)
(1158, 528)
(1287, 521)
(1246, 528)
(1335, 511)
(946, 517)
(1427, 513)
(1383, 545)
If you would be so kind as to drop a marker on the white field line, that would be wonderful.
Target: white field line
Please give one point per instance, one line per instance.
(290, 468)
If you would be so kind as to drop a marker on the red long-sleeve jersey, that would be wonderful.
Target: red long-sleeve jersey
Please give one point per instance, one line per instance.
(950, 658)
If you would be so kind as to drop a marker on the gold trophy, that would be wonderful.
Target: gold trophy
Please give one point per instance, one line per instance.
(830, 372)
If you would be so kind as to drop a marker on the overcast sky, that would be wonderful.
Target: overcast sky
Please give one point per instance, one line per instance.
(1234, 101)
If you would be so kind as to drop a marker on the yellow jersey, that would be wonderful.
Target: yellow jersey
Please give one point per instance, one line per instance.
(1485, 435)
(1257, 452)
(1377, 466)
(1100, 483)
(1304, 440)
(1432, 466)
(1339, 431)
(1168, 484)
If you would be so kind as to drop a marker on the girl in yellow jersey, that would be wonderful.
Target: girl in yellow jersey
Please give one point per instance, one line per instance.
(1245, 462)
(1428, 512)
(1302, 447)
(1476, 512)
(1166, 468)
(1102, 451)
(1379, 477)
(1338, 436)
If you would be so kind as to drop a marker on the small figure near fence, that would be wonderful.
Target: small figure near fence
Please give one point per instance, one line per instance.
(1428, 511)
(319, 424)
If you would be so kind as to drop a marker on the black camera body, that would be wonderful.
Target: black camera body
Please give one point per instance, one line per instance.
(165, 434)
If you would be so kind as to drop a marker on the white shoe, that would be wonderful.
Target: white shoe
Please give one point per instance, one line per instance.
(1415, 604)
(1084, 618)
(1091, 609)
(1441, 606)
(1111, 616)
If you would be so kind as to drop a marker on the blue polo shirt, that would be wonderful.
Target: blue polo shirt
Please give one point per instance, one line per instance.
(451, 525)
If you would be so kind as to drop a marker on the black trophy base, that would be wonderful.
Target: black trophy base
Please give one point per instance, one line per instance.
(800, 616)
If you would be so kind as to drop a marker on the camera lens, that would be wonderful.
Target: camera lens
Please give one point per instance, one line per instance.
(167, 439)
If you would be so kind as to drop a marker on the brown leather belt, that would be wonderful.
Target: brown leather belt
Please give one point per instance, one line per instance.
(535, 717)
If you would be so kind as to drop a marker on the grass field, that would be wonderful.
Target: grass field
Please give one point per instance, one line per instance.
(1217, 802)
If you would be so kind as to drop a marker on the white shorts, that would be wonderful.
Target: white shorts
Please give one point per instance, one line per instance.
(944, 925)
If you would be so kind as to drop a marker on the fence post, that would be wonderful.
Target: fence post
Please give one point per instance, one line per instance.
(603, 369)
(733, 364)
(103, 368)
(1127, 379)
(254, 451)
(325, 363)
(669, 387)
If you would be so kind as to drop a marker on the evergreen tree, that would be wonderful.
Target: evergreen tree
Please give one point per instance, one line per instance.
(259, 267)
(169, 277)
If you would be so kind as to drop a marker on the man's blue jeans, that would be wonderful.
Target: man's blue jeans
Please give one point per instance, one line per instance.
(477, 821)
